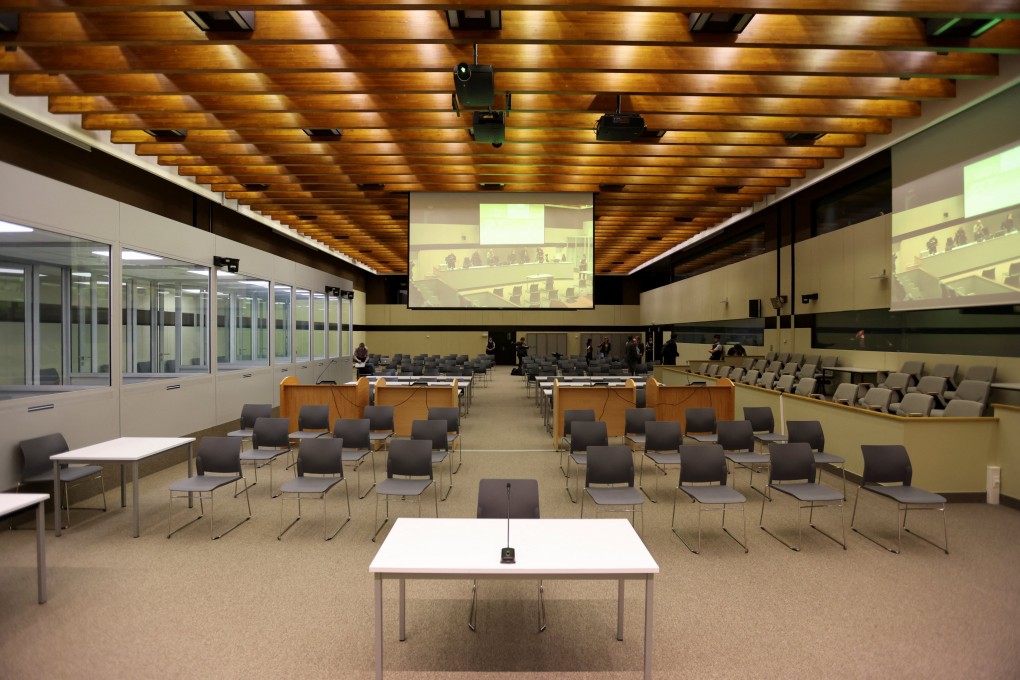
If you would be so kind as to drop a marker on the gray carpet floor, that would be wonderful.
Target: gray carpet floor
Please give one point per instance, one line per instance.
(250, 606)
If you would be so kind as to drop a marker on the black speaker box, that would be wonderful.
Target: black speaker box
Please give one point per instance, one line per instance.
(488, 126)
(475, 85)
(753, 309)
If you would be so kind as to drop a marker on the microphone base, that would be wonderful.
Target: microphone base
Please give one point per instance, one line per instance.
(507, 556)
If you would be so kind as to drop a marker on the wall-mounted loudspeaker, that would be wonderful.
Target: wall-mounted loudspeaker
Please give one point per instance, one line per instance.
(333, 291)
(754, 309)
(231, 263)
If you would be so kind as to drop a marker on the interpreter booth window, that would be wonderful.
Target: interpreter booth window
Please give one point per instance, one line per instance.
(347, 325)
(54, 312)
(333, 318)
(166, 317)
(302, 325)
(319, 325)
(242, 321)
(282, 326)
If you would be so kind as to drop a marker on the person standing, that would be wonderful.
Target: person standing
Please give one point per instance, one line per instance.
(490, 346)
(670, 352)
(522, 351)
(716, 353)
(605, 347)
(589, 352)
(633, 351)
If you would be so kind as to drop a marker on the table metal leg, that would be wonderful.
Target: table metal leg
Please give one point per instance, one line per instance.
(56, 499)
(40, 545)
(123, 485)
(378, 628)
(619, 612)
(403, 634)
(134, 499)
(648, 626)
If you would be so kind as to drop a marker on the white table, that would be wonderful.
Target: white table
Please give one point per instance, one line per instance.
(123, 450)
(13, 502)
(449, 548)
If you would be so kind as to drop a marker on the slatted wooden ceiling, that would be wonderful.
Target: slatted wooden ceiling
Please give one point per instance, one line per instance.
(382, 72)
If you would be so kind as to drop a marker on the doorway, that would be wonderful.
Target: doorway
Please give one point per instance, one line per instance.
(506, 352)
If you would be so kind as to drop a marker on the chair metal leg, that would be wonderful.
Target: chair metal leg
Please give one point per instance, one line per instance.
(169, 515)
(473, 616)
(902, 526)
(212, 517)
(385, 519)
(357, 467)
(541, 607)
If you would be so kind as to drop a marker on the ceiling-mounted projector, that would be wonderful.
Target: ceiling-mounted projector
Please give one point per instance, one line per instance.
(475, 84)
(619, 127)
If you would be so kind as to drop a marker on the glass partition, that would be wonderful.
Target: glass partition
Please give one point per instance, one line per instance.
(282, 326)
(302, 327)
(333, 316)
(347, 325)
(242, 321)
(319, 325)
(54, 312)
(166, 317)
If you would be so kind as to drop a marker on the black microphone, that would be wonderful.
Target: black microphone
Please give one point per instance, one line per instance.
(507, 555)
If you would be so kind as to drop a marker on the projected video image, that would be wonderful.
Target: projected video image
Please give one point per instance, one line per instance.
(956, 240)
(505, 251)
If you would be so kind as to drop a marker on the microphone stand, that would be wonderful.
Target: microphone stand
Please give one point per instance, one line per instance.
(507, 554)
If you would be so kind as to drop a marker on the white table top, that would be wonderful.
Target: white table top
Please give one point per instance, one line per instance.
(124, 449)
(12, 502)
(571, 547)
(853, 369)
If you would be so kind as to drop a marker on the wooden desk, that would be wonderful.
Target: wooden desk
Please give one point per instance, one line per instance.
(412, 402)
(11, 503)
(669, 401)
(609, 403)
(431, 548)
(345, 401)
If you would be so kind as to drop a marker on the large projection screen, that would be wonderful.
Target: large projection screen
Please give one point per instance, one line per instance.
(500, 251)
(955, 237)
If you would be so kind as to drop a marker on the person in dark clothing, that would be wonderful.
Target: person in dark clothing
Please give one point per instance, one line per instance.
(632, 352)
(716, 353)
(589, 352)
(737, 351)
(522, 351)
(670, 352)
(490, 346)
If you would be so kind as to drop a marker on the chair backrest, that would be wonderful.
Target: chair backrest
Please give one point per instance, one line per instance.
(810, 359)
(271, 433)
(897, 381)
(722, 371)
(785, 383)
(736, 435)
(451, 414)
(806, 431)
(885, 464)
(702, 464)
(219, 454)
(496, 502)
(36, 453)
(973, 390)
(913, 369)
(985, 373)
(916, 404)
(322, 456)
(313, 417)
(846, 393)
(947, 371)
(636, 418)
(433, 431)
(736, 374)
(791, 462)
(789, 368)
(767, 379)
(712, 371)
(931, 384)
(609, 465)
(877, 398)
(807, 370)
(576, 415)
(963, 408)
(761, 418)
(805, 387)
(797, 358)
(699, 421)
(589, 433)
(662, 435)
(252, 412)
(409, 458)
(356, 433)
(770, 356)
(751, 377)
(829, 361)
(774, 366)
(379, 417)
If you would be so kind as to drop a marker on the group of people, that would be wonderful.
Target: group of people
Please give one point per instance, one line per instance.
(978, 232)
(516, 256)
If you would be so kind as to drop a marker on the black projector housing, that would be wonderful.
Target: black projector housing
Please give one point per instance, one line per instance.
(475, 85)
(488, 127)
(619, 127)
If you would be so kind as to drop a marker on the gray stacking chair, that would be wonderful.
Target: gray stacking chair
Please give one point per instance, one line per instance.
(584, 434)
(700, 425)
(609, 482)
(961, 408)
(313, 422)
(791, 472)
(249, 414)
(635, 420)
(763, 424)
(933, 385)
(495, 501)
(876, 399)
(356, 435)
(571, 416)
(451, 414)
(890, 464)
(736, 437)
(408, 475)
(380, 425)
(217, 464)
(703, 480)
(784, 384)
(435, 431)
(37, 468)
(915, 404)
(662, 444)
(320, 467)
(810, 432)
(270, 439)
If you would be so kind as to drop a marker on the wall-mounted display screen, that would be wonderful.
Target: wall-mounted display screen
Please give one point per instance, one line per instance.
(955, 240)
(501, 251)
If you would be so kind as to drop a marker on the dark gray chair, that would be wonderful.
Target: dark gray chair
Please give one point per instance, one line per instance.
(609, 481)
(270, 439)
(763, 424)
(700, 425)
(571, 416)
(249, 414)
(217, 464)
(408, 475)
(634, 426)
(500, 499)
(37, 468)
(584, 434)
(792, 473)
(703, 480)
(380, 424)
(434, 431)
(890, 464)
(320, 467)
(355, 433)
(662, 446)
(451, 414)
(810, 431)
(736, 437)
(313, 422)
